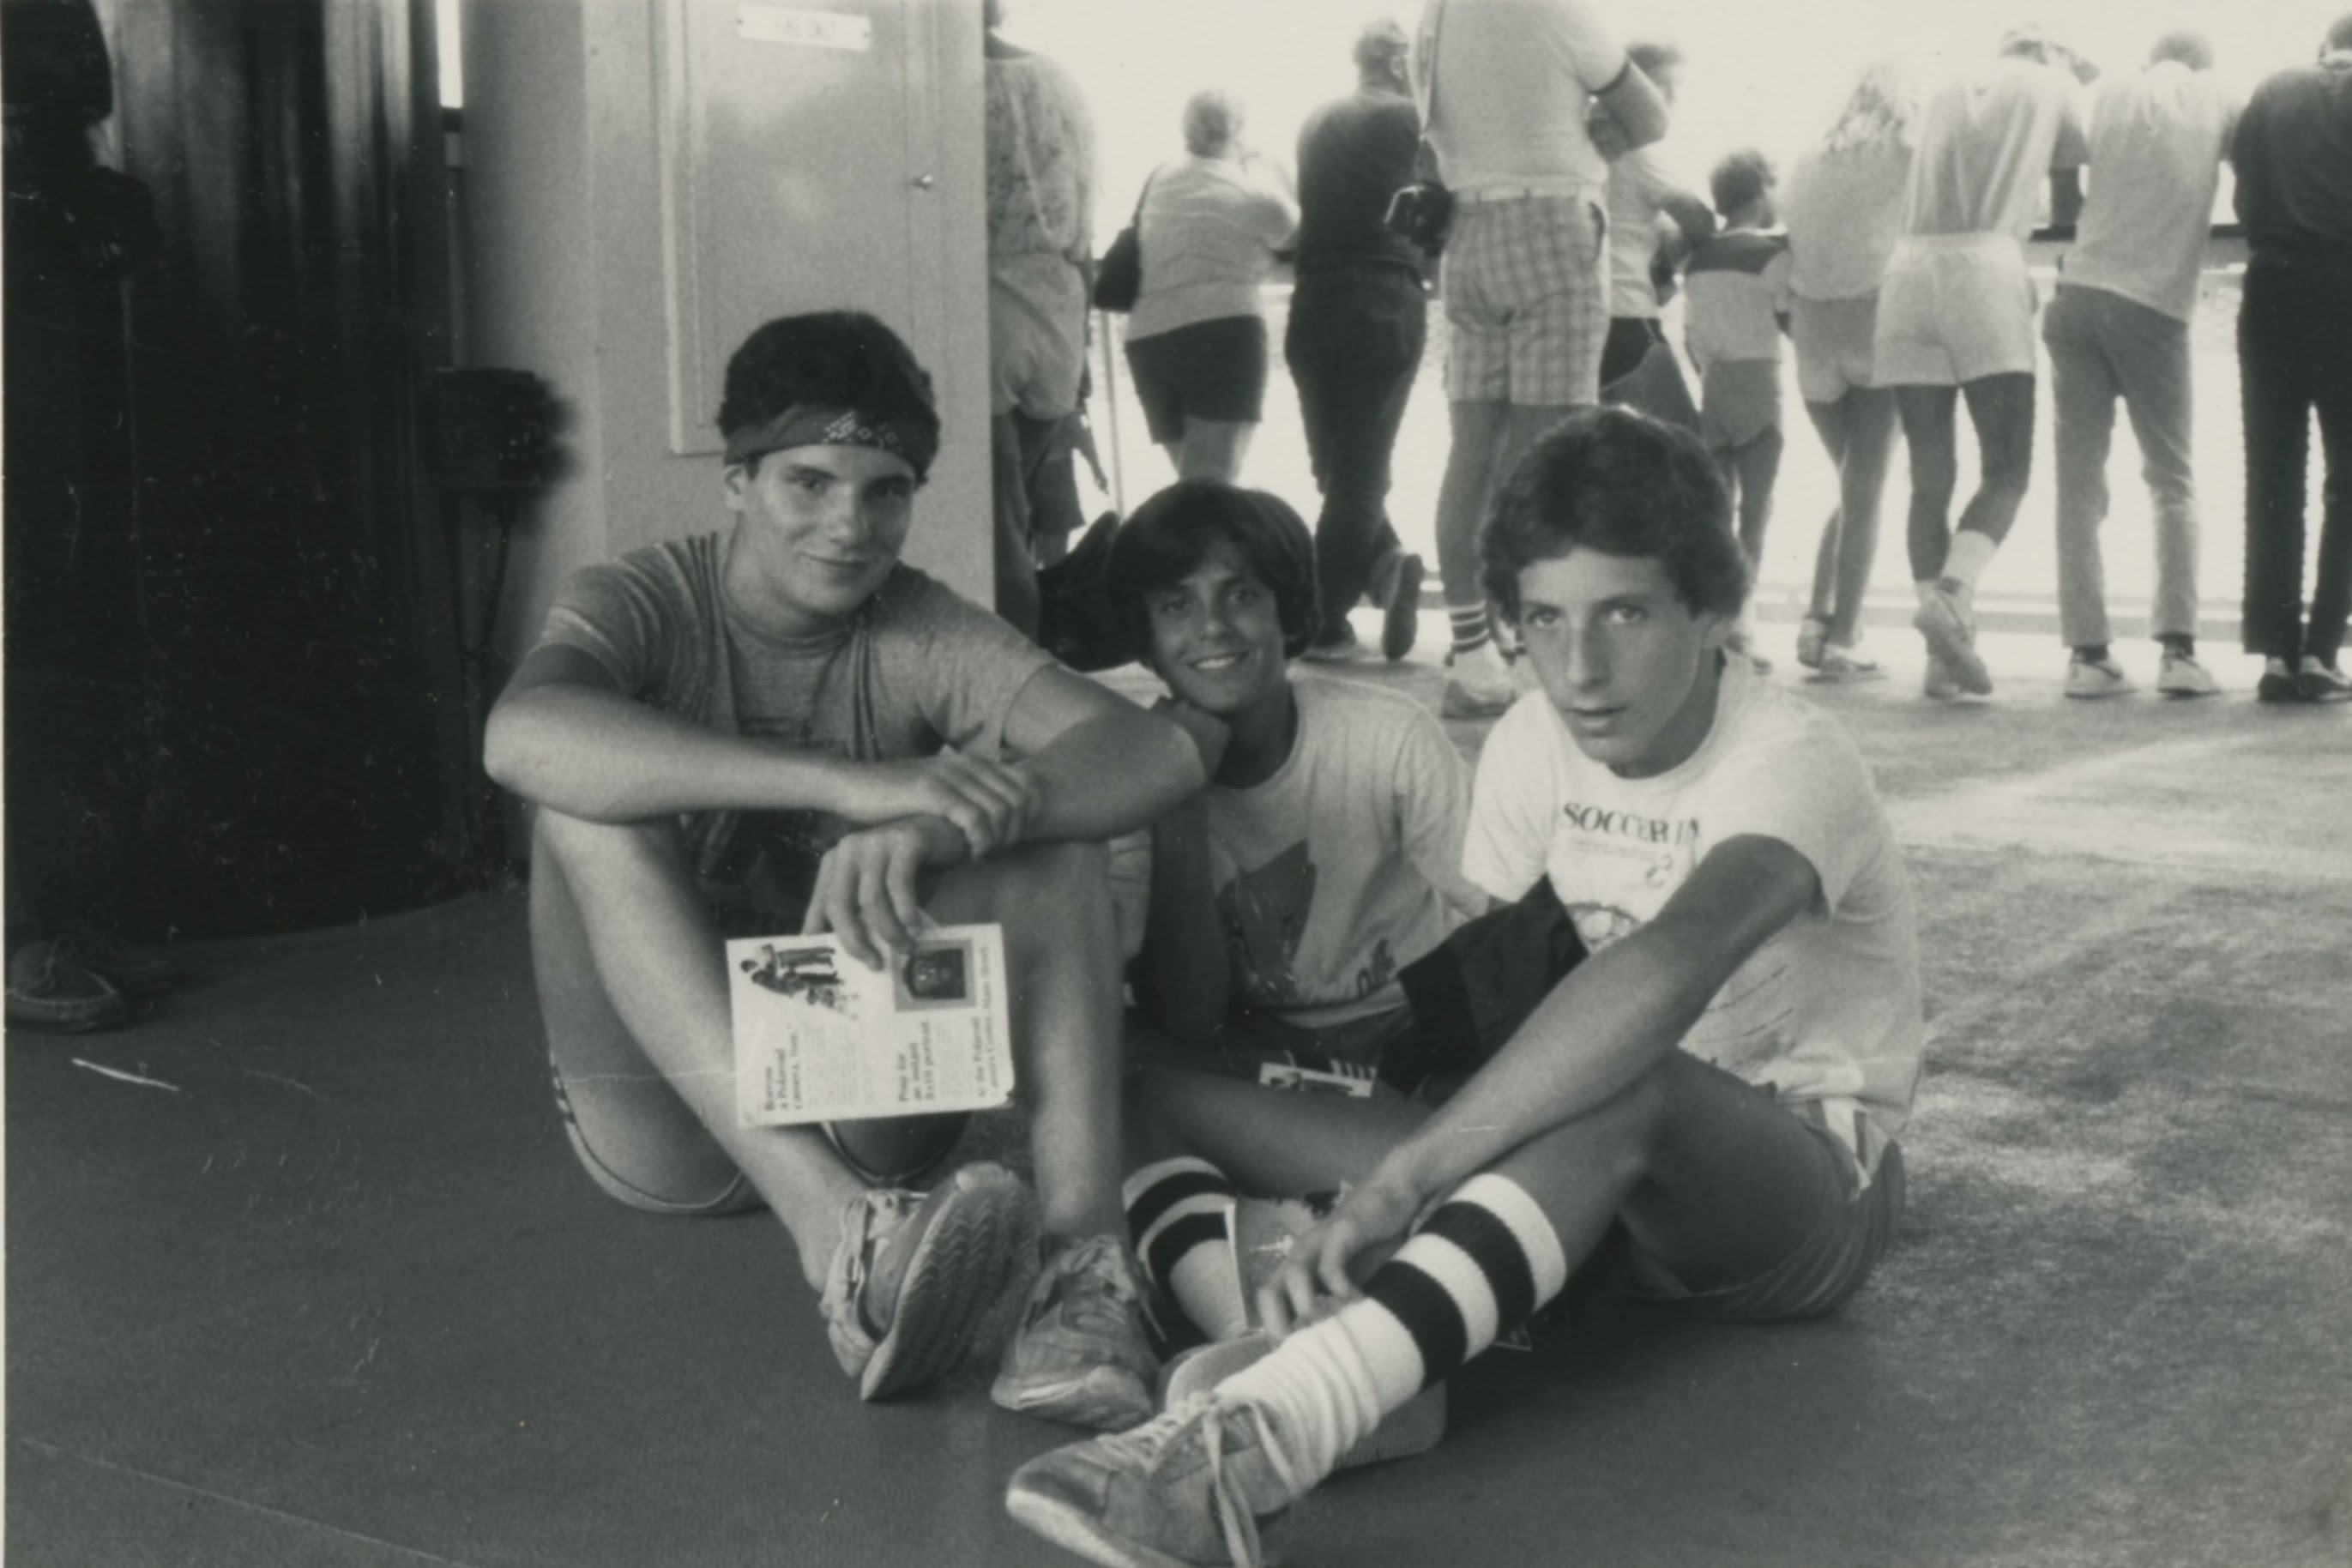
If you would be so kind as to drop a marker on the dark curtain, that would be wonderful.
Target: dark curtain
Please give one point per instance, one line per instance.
(270, 644)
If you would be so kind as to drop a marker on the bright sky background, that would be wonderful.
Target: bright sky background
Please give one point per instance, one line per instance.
(1767, 73)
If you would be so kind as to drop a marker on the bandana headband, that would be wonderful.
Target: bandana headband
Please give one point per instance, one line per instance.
(811, 425)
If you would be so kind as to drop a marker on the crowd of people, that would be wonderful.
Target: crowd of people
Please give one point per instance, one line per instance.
(1636, 1006)
(1895, 268)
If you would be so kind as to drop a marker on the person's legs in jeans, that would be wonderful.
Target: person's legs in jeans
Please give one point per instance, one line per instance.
(1354, 345)
(2150, 352)
(2084, 386)
(2329, 319)
(1757, 461)
(2275, 392)
(1015, 567)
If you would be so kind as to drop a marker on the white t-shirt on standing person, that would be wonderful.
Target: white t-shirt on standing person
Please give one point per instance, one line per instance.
(2157, 140)
(1988, 140)
(1514, 81)
(1829, 1008)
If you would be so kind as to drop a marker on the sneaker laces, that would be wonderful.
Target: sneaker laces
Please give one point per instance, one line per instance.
(853, 1256)
(1096, 1288)
(1150, 1447)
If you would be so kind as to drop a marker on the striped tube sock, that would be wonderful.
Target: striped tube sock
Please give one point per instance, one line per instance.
(1179, 1212)
(1470, 627)
(1484, 1261)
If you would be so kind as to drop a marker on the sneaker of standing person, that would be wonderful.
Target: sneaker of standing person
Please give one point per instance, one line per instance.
(1943, 619)
(2184, 675)
(1083, 1352)
(48, 991)
(136, 970)
(1840, 663)
(2094, 672)
(2320, 682)
(1400, 599)
(2278, 683)
(1478, 683)
(1939, 682)
(915, 1275)
(1813, 641)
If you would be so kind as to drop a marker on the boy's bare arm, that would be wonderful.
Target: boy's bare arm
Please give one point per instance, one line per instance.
(1637, 105)
(564, 736)
(1101, 765)
(1614, 1017)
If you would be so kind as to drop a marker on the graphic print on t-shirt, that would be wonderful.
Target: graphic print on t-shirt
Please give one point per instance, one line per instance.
(1628, 862)
(1264, 914)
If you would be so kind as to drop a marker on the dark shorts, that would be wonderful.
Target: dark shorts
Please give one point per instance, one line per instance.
(1630, 340)
(1210, 369)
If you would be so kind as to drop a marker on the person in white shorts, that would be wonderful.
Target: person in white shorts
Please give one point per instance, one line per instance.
(1956, 317)
(2117, 327)
(1507, 95)
(1843, 207)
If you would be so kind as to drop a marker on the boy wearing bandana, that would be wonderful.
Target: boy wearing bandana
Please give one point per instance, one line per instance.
(780, 726)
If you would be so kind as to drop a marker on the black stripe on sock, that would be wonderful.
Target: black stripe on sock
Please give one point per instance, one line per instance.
(1428, 1313)
(1167, 1249)
(1168, 1192)
(1481, 1232)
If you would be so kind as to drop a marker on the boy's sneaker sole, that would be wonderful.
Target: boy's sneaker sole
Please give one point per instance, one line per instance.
(979, 1243)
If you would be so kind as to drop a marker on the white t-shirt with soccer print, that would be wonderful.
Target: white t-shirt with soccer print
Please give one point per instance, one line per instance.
(1829, 1008)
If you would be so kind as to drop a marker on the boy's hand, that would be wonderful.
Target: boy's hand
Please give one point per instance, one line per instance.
(866, 886)
(991, 804)
(1371, 1219)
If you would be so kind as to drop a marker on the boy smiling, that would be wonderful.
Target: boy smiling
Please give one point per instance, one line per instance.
(1720, 1080)
(780, 726)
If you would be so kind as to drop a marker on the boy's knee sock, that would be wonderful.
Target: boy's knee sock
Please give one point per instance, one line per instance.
(1487, 1259)
(1180, 1214)
(1470, 627)
(1972, 552)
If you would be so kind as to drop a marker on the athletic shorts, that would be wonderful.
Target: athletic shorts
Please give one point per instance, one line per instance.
(1036, 335)
(1477, 987)
(1210, 369)
(1350, 1058)
(1629, 341)
(1738, 400)
(1835, 341)
(1953, 309)
(1526, 283)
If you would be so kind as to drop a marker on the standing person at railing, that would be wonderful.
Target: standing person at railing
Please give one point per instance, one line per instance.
(1358, 319)
(1844, 213)
(2294, 159)
(1956, 318)
(1508, 95)
(2119, 327)
(1209, 226)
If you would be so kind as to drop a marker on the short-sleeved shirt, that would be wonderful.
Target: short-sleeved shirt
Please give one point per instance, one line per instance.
(1207, 236)
(2157, 140)
(1988, 139)
(2292, 154)
(1829, 1008)
(1354, 154)
(1041, 158)
(1347, 864)
(1639, 183)
(1843, 214)
(1513, 82)
(916, 669)
(1735, 290)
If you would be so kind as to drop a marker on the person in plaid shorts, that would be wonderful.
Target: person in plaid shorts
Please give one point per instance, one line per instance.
(1508, 92)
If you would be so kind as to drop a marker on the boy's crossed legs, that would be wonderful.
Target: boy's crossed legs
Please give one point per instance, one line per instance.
(632, 985)
(1735, 1208)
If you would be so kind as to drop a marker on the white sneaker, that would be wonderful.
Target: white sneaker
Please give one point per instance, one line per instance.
(1479, 684)
(2095, 678)
(1943, 619)
(2181, 675)
(1939, 683)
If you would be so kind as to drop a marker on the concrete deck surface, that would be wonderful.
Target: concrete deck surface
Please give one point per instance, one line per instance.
(338, 1296)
